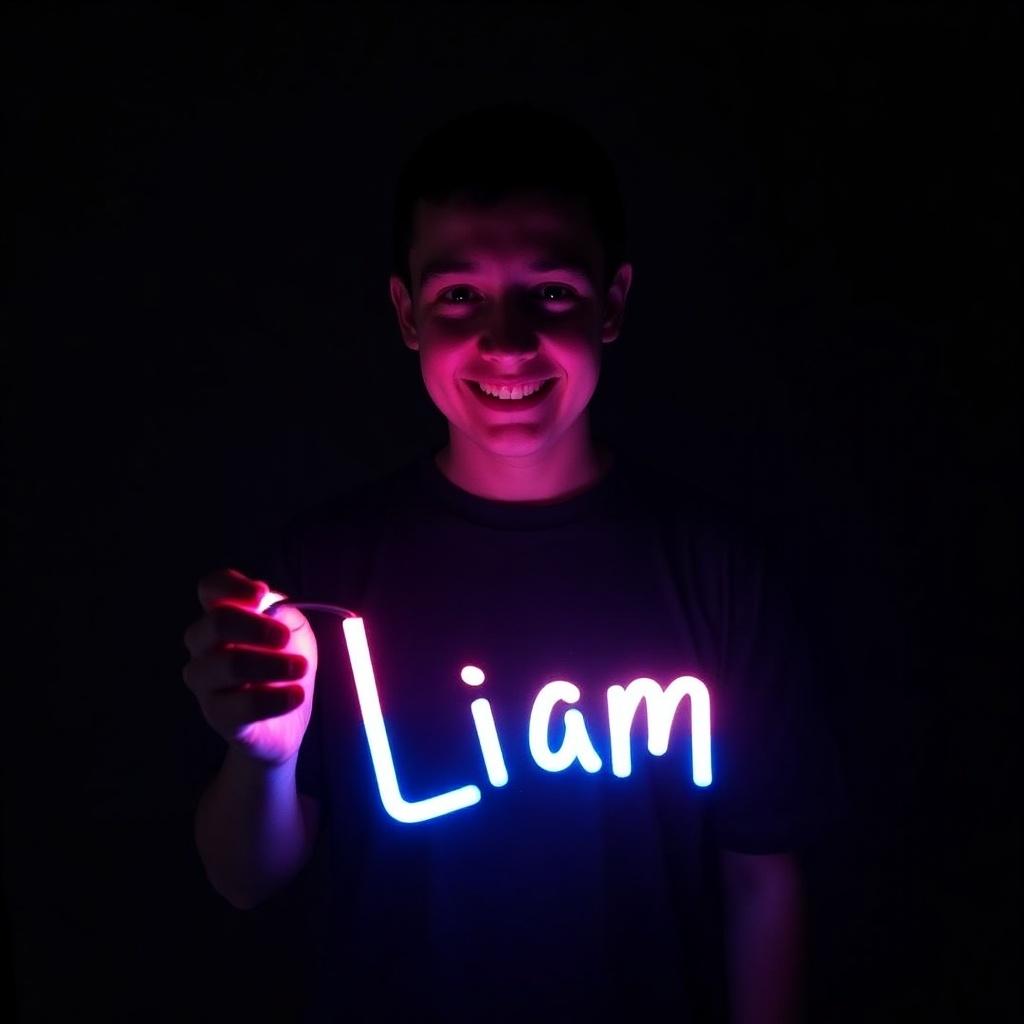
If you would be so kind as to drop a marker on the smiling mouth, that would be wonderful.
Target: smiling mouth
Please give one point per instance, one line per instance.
(507, 397)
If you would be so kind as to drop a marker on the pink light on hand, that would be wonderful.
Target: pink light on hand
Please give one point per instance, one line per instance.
(269, 598)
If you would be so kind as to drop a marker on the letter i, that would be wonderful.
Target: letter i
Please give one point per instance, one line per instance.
(486, 732)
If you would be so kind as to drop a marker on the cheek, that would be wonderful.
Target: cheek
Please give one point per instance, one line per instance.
(580, 357)
(450, 330)
(578, 322)
(576, 334)
(439, 370)
(583, 320)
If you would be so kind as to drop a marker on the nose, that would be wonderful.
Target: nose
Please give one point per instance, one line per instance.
(510, 330)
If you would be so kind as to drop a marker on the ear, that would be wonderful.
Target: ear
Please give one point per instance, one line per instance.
(402, 301)
(615, 303)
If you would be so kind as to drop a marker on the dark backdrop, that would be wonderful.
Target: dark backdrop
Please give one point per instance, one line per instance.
(200, 344)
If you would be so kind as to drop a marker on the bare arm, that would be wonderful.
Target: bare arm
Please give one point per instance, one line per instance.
(763, 895)
(254, 831)
(253, 675)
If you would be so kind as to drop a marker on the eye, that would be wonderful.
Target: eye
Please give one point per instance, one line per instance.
(459, 289)
(464, 295)
(567, 293)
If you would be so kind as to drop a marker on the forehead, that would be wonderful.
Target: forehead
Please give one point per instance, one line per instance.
(514, 231)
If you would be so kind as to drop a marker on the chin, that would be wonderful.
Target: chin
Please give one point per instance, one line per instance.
(512, 447)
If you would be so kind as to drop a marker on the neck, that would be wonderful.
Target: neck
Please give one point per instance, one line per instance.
(544, 477)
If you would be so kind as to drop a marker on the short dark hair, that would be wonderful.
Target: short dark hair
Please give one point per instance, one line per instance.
(505, 150)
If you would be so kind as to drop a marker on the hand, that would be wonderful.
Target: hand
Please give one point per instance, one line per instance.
(252, 672)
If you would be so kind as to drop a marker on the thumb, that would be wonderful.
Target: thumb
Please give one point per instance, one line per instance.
(302, 640)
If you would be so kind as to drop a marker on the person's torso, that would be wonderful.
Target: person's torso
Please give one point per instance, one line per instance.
(568, 889)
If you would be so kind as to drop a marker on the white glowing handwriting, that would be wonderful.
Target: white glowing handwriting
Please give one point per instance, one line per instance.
(623, 703)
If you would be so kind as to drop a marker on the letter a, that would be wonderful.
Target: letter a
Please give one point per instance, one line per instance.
(576, 745)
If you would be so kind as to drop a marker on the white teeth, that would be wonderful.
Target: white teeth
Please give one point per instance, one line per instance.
(505, 392)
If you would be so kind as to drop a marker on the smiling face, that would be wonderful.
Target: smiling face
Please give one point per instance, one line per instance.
(508, 296)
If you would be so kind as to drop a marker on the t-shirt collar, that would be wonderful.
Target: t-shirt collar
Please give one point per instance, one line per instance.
(514, 515)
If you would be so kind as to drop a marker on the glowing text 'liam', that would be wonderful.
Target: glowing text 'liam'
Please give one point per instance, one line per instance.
(623, 703)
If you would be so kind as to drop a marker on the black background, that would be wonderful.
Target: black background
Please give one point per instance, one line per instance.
(200, 343)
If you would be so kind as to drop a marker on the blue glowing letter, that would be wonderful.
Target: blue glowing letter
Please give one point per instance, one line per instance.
(494, 762)
(380, 748)
(486, 733)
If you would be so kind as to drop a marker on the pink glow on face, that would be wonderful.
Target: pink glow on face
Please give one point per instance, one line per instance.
(502, 319)
(505, 293)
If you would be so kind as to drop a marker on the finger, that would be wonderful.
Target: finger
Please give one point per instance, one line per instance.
(231, 710)
(229, 585)
(230, 667)
(296, 622)
(303, 640)
(227, 624)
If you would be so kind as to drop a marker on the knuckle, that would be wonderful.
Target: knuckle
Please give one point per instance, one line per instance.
(215, 586)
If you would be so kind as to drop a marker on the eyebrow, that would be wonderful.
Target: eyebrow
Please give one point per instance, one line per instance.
(441, 267)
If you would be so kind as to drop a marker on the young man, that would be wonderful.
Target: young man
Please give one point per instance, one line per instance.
(529, 569)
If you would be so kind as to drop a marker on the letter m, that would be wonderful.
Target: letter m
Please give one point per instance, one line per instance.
(623, 702)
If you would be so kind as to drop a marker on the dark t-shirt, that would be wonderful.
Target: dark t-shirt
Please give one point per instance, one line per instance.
(562, 895)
